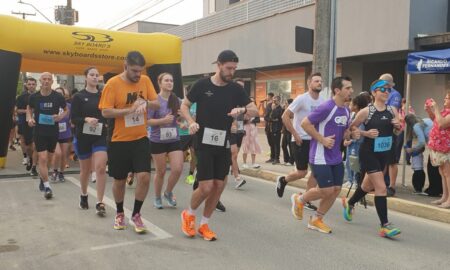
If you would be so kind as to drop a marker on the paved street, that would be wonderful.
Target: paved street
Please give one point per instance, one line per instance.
(256, 232)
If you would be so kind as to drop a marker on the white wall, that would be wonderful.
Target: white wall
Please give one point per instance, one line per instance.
(425, 86)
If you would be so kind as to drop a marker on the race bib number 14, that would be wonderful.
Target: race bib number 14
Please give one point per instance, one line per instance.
(133, 120)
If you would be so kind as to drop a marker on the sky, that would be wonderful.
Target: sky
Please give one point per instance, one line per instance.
(112, 14)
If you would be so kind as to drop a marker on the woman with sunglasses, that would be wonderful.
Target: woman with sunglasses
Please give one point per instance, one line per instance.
(90, 139)
(380, 121)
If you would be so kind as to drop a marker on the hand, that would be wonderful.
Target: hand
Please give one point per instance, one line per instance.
(396, 123)
(57, 117)
(433, 106)
(328, 142)
(193, 128)
(347, 142)
(168, 119)
(139, 106)
(31, 122)
(408, 150)
(236, 111)
(298, 140)
(372, 133)
(93, 122)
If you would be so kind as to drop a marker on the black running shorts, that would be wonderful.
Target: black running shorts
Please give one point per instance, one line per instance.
(213, 164)
(45, 143)
(160, 148)
(301, 155)
(373, 162)
(125, 157)
(236, 138)
(85, 146)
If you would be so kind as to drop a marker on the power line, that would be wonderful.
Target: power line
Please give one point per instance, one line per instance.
(135, 14)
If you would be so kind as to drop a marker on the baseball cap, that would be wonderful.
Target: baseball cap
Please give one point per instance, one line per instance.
(388, 77)
(377, 84)
(227, 56)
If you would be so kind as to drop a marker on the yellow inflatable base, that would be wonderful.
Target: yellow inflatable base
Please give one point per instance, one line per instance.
(2, 162)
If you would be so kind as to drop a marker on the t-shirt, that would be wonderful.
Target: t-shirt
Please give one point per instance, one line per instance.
(439, 140)
(44, 107)
(328, 119)
(65, 130)
(85, 104)
(120, 94)
(301, 107)
(169, 132)
(21, 104)
(213, 105)
(394, 99)
(183, 125)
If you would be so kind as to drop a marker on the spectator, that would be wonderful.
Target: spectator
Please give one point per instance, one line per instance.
(275, 126)
(267, 110)
(288, 153)
(250, 143)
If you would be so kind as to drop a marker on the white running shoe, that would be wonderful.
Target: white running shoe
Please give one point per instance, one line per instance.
(245, 166)
(93, 177)
(25, 161)
(256, 166)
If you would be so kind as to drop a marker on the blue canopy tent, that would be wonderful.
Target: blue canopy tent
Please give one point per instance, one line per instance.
(424, 62)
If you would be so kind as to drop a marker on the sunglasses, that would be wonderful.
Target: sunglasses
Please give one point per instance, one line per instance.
(383, 89)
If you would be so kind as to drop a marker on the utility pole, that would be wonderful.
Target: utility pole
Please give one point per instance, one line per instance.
(324, 56)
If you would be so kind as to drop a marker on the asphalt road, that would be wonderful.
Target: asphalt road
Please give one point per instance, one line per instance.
(256, 232)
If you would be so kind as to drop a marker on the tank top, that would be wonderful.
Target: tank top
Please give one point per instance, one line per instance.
(382, 121)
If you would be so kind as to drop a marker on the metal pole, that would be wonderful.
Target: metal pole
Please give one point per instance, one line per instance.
(332, 60)
(408, 84)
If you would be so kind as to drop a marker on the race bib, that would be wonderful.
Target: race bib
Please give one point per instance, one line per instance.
(240, 126)
(168, 134)
(133, 120)
(90, 130)
(45, 119)
(214, 137)
(62, 127)
(382, 144)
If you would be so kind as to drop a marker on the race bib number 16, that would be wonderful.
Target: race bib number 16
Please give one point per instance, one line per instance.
(214, 137)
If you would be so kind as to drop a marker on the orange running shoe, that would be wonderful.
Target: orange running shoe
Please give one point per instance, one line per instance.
(206, 233)
(188, 223)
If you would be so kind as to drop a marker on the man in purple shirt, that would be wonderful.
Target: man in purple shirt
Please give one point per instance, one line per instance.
(328, 125)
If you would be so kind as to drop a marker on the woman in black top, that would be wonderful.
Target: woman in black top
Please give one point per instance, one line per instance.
(381, 121)
(90, 138)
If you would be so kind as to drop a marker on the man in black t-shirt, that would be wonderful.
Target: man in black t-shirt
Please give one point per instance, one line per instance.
(43, 114)
(25, 131)
(217, 100)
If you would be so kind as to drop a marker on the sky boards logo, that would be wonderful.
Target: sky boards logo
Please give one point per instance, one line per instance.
(92, 37)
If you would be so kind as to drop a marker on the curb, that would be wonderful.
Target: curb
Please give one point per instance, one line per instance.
(395, 204)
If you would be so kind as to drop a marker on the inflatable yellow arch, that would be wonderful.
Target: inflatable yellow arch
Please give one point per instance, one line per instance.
(38, 47)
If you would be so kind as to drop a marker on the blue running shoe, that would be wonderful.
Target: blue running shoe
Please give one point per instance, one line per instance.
(170, 198)
(48, 193)
(41, 185)
(389, 231)
(348, 210)
(158, 203)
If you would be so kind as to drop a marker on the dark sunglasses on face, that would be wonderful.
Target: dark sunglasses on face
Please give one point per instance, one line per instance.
(384, 89)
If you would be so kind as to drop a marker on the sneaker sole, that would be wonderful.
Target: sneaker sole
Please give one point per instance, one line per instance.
(293, 203)
(240, 184)
(48, 196)
(100, 213)
(314, 228)
(208, 239)
(344, 204)
(182, 229)
(389, 236)
(120, 228)
(276, 187)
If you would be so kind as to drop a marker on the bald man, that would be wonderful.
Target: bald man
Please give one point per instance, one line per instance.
(45, 109)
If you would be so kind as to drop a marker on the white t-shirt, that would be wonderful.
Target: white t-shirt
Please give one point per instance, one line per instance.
(301, 107)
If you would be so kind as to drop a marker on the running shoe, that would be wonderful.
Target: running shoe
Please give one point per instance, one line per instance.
(206, 233)
(388, 231)
(269, 161)
(297, 206)
(390, 192)
(54, 176)
(310, 206)
(24, 161)
(240, 182)
(276, 162)
(29, 165)
(220, 207)
(34, 171)
(348, 210)
(157, 203)
(61, 177)
(256, 166)
(188, 223)
(170, 198)
(139, 226)
(119, 222)
(41, 185)
(84, 202)
(48, 193)
(12, 148)
(318, 225)
(190, 179)
(281, 185)
(245, 166)
(93, 177)
(100, 209)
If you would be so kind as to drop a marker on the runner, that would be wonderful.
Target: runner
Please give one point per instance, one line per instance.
(61, 156)
(165, 141)
(301, 107)
(380, 121)
(90, 139)
(328, 125)
(24, 130)
(44, 106)
(217, 100)
(125, 100)
(236, 136)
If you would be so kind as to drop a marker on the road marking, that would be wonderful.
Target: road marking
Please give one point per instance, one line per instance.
(16, 180)
(155, 230)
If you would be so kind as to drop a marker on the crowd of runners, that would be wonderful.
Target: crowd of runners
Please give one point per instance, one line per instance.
(125, 127)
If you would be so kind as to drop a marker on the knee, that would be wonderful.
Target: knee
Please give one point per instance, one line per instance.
(206, 188)
(101, 169)
(327, 192)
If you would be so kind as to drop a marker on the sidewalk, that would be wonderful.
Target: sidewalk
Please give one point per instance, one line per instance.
(404, 201)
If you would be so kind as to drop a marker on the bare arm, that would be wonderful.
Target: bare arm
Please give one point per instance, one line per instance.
(443, 122)
(114, 113)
